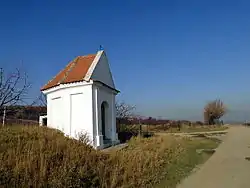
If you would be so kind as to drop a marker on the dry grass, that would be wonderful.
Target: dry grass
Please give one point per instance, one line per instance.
(145, 160)
(40, 157)
(36, 156)
(184, 128)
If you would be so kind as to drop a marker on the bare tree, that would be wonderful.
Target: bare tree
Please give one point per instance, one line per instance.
(43, 100)
(124, 110)
(13, 87)
(123, 113)
(213, 111)
(40, 100)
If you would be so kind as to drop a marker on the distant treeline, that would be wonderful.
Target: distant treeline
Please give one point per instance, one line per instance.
(154, 121)
(33, 113)
(24, 112)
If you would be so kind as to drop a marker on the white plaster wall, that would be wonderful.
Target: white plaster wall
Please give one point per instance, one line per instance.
(96, 120)
(105, 94)
(55, 110)
(75, 111)
(102, 72)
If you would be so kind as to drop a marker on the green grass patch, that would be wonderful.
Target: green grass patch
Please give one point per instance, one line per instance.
(184, 128)
(207, 128)
(188, 161)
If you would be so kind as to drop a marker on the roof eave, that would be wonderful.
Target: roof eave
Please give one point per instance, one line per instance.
(96, 81)
(66, 85)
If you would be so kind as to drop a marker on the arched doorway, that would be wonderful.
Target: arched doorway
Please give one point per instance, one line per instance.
(104, 118)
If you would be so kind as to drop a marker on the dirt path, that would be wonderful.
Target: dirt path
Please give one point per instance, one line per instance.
(227, 168)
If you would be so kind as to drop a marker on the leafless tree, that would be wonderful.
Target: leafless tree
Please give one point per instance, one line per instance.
(40, 100)
(13, 87)
(124, 110)
(213, 111)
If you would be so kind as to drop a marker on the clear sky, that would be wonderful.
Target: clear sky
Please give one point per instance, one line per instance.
(167, 57)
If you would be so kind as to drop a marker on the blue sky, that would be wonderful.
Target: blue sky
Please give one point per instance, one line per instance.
(167, 57)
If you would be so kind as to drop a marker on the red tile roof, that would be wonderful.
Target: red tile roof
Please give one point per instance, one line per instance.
(75, 71)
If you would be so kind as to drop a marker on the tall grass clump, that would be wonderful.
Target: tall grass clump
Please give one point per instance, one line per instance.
(41, 157)
(37, 156)
(144, 162)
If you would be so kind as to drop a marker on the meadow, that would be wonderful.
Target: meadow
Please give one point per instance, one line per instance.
(32, 156)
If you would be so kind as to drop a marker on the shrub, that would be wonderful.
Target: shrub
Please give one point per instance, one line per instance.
(213, 111)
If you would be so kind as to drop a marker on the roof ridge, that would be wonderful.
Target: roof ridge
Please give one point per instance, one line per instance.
(70, 69)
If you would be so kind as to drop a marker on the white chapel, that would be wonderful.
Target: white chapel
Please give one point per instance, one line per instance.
(81, 100)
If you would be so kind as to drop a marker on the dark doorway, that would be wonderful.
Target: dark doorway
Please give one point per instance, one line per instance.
(103, 116)
(45, 122)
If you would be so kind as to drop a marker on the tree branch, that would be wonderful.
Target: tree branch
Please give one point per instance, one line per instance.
(14, 88)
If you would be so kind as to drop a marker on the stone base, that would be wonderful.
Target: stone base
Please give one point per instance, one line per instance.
(115, 142)
(100, 144)
(99, 141)
(116, 136)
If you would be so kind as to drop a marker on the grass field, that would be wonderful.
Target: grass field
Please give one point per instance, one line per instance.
(198, 129)
(186, 163)
(41, 157)
(184, 128)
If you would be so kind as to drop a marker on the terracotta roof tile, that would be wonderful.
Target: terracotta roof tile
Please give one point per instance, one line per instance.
(75, 71)
(80, 69)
